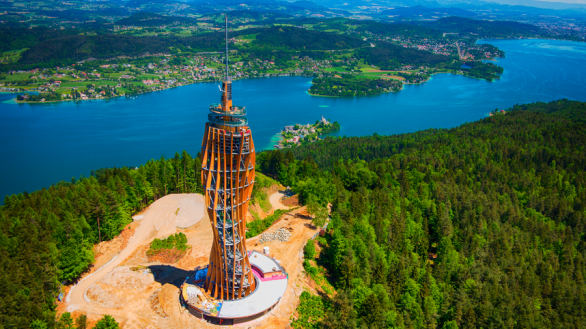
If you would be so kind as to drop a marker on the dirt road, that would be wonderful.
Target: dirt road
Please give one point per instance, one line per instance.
(275, 200)
(158, 221)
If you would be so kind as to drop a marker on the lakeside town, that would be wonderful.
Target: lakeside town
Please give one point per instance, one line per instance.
(300, 134)
(86, 80)
(127, 76)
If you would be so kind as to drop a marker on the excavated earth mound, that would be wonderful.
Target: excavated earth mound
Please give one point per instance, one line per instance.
(118, 287)
(169, 299)
(105, 298)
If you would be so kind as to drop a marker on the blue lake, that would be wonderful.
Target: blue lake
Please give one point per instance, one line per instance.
(43, 144)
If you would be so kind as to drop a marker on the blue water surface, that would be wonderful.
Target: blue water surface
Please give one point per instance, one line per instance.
(44, 143)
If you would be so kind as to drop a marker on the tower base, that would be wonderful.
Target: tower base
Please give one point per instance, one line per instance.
(271, 284)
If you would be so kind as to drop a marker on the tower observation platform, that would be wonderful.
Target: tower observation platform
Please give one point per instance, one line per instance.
(236, 286)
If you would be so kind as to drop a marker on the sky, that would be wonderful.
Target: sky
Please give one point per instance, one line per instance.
(566, 1)
(528, 2)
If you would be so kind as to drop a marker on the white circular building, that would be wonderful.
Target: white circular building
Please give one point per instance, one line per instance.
(271, 283)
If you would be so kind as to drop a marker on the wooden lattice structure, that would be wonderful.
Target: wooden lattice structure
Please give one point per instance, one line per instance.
(228, 177)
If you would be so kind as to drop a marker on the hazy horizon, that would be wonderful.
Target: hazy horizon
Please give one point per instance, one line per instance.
(580, 2)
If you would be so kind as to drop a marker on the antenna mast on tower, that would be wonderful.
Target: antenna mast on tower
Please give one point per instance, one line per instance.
(227, 47)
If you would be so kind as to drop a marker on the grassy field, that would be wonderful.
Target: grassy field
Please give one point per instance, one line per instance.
(24, 86)
(214, 65)
(74, 84)
(368, 69)
(119, 74)
(336, 69)
(11, 56)
(15, 77)
(103, 83)
(248, 37)
(148, 76)
(184, 33)
(83, 84)
(380, 76)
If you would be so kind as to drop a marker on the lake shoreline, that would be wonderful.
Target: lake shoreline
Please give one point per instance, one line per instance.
(236, 79)
(42, 147)
(136, 94)
(406, 83)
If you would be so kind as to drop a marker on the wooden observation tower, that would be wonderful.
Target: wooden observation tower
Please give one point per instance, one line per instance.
(228, 176)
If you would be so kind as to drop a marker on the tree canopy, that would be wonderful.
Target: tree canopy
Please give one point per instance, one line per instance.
(477, 226)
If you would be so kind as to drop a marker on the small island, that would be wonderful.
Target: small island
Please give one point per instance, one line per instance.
(299, 134)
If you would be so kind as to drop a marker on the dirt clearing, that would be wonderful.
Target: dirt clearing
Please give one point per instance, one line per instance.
(141, 294)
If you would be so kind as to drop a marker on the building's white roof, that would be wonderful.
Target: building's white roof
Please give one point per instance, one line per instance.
(266, 295)
(263, 263)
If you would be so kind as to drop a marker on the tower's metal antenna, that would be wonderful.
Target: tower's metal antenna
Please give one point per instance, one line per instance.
(226, 47)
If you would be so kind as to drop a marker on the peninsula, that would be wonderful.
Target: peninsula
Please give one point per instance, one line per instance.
(299, 134)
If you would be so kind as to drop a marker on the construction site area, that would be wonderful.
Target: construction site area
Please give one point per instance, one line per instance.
(144, 293)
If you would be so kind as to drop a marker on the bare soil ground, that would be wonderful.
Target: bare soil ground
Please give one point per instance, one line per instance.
(292, 201)
(106, 250)
(143, 294)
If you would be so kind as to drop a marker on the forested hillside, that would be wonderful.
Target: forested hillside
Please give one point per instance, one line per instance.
(61, 48)
(47, 236)
(418, 11)
(348, 85)
(80, 47)
(484, 29)
(302, 39)
(478, 226)
(388, 56)
(152, 19)
(398, 29)
(19, 38)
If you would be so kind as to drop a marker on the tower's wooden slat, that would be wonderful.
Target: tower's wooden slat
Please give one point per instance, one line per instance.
(229, 176)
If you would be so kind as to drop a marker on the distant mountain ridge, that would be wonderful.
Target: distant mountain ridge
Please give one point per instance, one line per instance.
(465, 4)
(540, 4)
(421, 10)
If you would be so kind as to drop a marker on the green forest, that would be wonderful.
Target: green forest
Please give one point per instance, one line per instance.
(349, 85)
(19, 38)
(302, 39)
(485, 29)
(398, 29)
(479, 226)
(47, 47)
(68, 46)
(152, 19)
(480, 70)
(389, 57)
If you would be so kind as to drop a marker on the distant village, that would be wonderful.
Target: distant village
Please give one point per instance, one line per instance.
(95, 79)
(299, 134)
